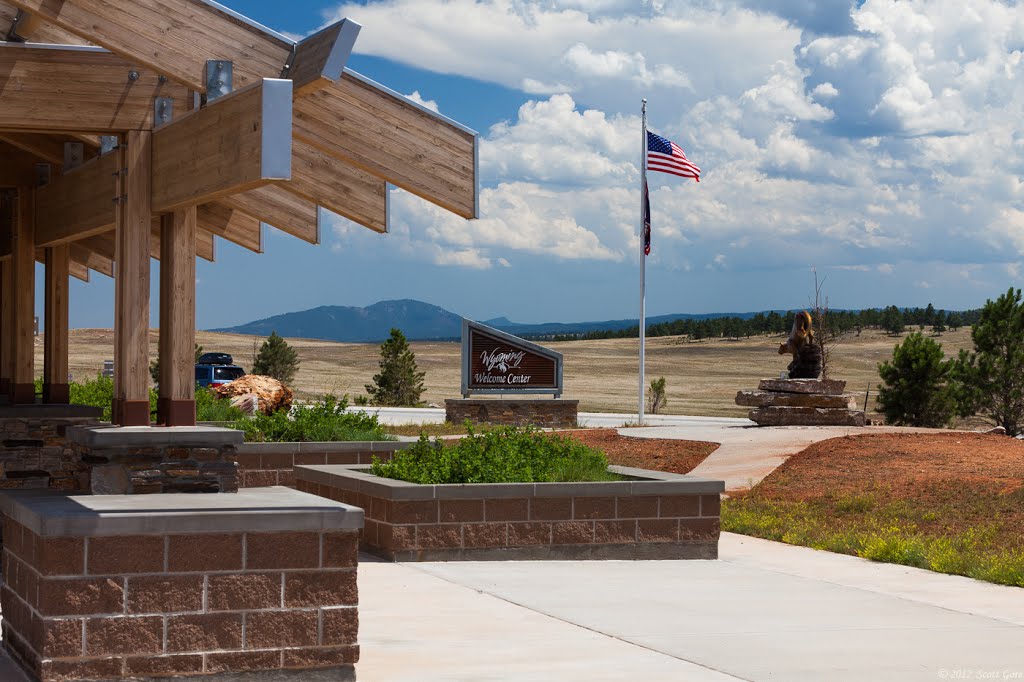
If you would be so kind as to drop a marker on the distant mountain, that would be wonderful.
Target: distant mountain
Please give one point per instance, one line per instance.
(417, 320)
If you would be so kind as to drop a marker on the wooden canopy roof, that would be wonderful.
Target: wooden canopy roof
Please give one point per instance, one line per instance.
(289, 130)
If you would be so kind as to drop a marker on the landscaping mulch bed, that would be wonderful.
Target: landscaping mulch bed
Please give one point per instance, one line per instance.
(964, 478)
(948, 501)
(659, 454)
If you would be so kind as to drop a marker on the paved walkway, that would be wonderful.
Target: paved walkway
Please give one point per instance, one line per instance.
(765, 611)
(748, 453)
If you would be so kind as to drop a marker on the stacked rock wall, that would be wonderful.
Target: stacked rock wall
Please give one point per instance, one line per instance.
(801, 402)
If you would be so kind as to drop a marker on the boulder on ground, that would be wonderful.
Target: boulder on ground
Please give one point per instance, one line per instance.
(271, 394)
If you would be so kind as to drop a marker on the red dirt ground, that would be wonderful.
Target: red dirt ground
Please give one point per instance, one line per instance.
(946, 482)
(909, 464)
(659, 454)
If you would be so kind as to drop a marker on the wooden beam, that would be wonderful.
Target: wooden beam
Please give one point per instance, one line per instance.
(233, 225)
(239, 142)
(176, 406)
(389, 136)
(172, 36)
(78, 271)
(31, 28)
(23, 262)
(280, 208)
(18, 167)
(55, 349)
(131, 318)
(81, 89)
(6, 326)
(79, 203)
(49, 148)
(338, 186)
(91, 259)
(320, 59)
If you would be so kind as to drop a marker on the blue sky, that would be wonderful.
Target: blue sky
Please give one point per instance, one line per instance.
(877, 142)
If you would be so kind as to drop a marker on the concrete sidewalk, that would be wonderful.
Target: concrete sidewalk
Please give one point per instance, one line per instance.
(765, 611)
(748, 453)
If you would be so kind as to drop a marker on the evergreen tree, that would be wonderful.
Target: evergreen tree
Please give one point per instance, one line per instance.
(892, 321)
(992, 377)
(656, 400)
(398, 383)
(276, 359)
(154, 366)
(917, 389)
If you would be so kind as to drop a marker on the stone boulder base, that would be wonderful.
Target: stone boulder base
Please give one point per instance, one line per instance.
(817, 386)
(774, 399)
(806, 416)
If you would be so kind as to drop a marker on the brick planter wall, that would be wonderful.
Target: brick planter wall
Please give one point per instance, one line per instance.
(548, 413)
(264, 464)
(656, 516)
(34, 450)
(91, 595)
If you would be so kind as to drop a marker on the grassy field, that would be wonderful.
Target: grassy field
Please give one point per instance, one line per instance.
(702, 377)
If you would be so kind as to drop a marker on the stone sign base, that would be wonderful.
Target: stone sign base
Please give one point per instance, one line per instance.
(801, 402)
(545, 413)
(118, 587)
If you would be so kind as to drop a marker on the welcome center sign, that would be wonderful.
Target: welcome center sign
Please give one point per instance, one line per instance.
(494, 361)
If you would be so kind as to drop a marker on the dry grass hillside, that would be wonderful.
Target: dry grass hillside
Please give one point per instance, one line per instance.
(702, 377)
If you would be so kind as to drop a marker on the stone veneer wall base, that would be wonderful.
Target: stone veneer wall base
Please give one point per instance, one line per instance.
(556, 413)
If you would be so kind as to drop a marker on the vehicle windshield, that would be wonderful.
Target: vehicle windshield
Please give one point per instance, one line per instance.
(227, 373)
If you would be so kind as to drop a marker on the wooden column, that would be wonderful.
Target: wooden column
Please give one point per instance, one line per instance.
(6, 328)
(177, 405)
(131, 297)
(55, 352)
(23, 278)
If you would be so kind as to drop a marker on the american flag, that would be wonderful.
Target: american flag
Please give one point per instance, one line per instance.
(668, 157)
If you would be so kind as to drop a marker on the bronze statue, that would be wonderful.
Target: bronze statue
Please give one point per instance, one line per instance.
(806, 352)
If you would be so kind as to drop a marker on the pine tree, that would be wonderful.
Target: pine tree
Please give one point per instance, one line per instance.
(276, 359)
(398, 383)
(154, 366)
(917, 389)
(992, 377)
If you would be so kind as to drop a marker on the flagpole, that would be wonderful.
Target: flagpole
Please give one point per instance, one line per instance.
(643, 264)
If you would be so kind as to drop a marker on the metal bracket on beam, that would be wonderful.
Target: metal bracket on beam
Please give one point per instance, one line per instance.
(163, 111)
(43, 173)
(12, 33)
(74, 155)
(108, 143)
(219, 77)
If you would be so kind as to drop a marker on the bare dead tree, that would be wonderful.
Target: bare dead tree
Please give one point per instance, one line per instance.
(826, 334)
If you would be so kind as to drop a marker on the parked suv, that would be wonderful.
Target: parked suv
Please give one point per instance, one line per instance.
(215, 375)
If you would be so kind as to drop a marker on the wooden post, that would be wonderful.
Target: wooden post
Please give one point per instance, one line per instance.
(131, 316)
(6, 329)
(55, 352)
(177, 405)
(23, 277)
(6, 294)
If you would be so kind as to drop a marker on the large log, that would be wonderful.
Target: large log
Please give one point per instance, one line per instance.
(805, 416)
(821, 386)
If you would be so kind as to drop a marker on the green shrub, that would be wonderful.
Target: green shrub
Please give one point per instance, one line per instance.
(322, 420)
(99, 392)
(501, 455)
(210, 408)
(917, 389)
